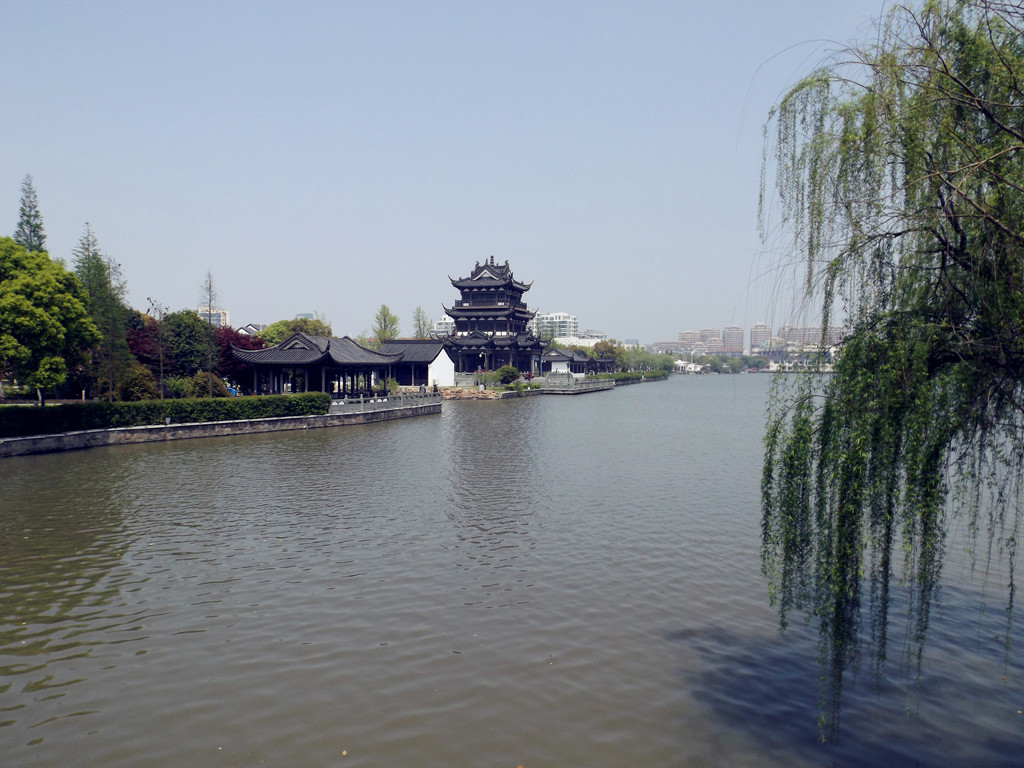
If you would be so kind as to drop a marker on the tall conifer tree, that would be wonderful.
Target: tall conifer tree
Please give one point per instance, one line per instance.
(29, 234)
(105, 293)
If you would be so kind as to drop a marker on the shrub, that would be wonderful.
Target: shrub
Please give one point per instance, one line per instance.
(175, 386)
(386, 387)
(138, 383)
(507, 374)
(203, 383)
(626, 377)
(17, 421)
(518, 387)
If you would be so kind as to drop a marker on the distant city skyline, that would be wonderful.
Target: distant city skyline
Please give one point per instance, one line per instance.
(733, 339)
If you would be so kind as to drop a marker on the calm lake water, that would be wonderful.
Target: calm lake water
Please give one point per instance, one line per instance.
(550, 581)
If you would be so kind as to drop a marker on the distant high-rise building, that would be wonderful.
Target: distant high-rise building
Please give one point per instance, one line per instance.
(218, 318)
(798, 338)
(689, 339)
(759, 334)
(834, 335)
(445, 326)
(732, 340)
(709, 333)
(555, 324)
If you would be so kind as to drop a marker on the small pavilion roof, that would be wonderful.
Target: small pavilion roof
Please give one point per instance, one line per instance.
(558, 353)
(413, 350)
(303, 349)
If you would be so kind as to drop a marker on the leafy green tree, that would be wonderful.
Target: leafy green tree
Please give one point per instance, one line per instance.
(157, 312)
(205, 384)
(318, 325)
(902, 181)
(237, 373)
(208, 300)
(421, 323)
(277, 332)
(138, 383)
(105, 292)
(642, 360)
(547, 335)
(507, 374)
(610, 349)
(29, 233)
(44, 327)
(188, 339)
(146, 342)
(385, 325)
(734, 365)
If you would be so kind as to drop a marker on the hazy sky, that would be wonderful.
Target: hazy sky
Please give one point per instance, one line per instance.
(334, 156)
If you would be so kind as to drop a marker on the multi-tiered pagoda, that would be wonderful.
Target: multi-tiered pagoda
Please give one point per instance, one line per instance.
(491, 322)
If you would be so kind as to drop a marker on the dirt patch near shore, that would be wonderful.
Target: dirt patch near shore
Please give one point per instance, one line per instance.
(469, 393)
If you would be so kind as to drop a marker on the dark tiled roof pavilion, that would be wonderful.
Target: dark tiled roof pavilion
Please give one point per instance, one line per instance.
(303, 350)
(344, 366)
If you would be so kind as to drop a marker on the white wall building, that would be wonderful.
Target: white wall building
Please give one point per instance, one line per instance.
(557, 324)
(759, 335)
(218, 318)
(732, 340)
(445, 326)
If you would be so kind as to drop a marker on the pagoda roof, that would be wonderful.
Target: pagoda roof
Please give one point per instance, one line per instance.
(479, 339)
(489, 311)
(490, 275)
(303, 349)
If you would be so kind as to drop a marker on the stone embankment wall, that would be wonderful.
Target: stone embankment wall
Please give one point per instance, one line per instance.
(93, 438)
(571, 385)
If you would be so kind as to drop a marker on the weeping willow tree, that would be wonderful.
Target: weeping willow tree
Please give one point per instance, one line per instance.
(899, 171)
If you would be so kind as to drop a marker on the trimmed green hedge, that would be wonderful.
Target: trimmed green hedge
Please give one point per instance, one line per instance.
(20, 420)
(627, 377)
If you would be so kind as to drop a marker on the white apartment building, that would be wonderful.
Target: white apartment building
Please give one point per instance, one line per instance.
(732, 340)
(558, 324)
(709, 333)
(445, 326)
(759, 334)
(218, 318)
(689, 339)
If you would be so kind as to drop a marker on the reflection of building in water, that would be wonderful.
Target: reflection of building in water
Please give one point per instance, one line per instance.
(497, 479)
